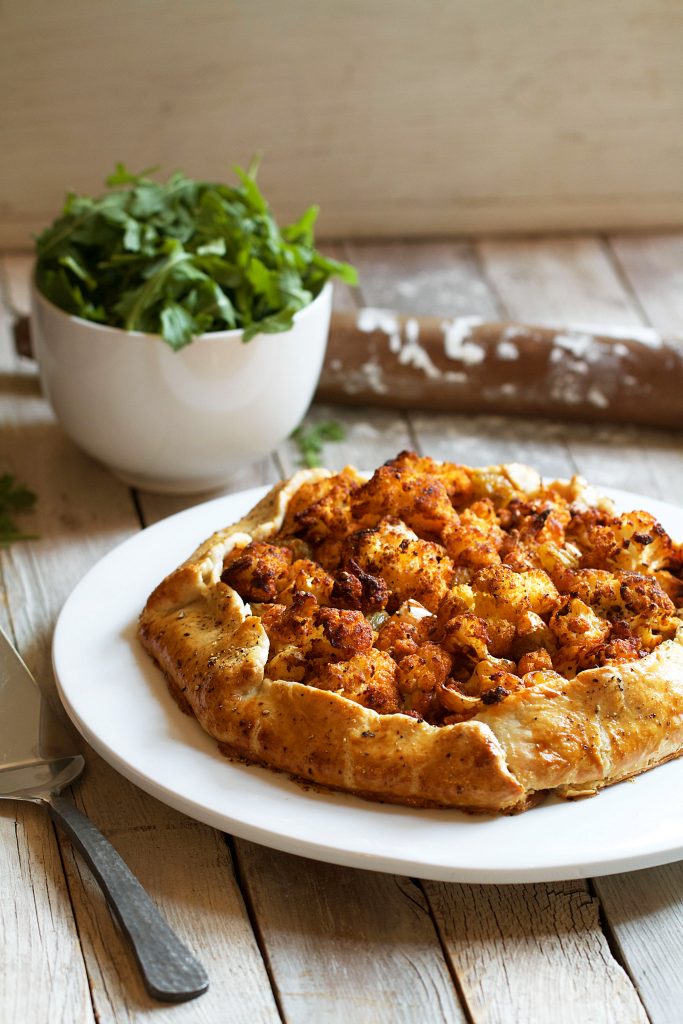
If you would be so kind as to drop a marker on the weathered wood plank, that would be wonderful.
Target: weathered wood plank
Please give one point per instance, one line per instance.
(82, 512)
(557, 279)
(487, 440)
(347, 945)
(653, 267)
(430, 278)
(530, 954)
(370, 438)
(645, 913)
(43, 975)
(467, 116)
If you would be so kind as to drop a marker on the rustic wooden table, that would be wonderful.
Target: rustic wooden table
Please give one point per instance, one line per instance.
(285, 938)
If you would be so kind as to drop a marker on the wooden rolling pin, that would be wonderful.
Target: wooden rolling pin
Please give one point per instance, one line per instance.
(628, 375)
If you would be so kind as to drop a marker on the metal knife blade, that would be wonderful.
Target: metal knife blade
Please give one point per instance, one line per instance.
(31, 733)
(38, 757)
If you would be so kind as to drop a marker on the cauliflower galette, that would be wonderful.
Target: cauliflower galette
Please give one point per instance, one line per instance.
(436, 635)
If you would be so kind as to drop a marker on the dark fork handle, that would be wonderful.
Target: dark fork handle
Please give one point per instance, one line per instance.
(169, 970)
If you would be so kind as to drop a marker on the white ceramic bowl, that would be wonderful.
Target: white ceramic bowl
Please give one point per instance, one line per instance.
(177, 421)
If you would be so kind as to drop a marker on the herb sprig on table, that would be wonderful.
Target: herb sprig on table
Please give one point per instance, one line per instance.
(182, 257)
(15, 499)
(310, 440)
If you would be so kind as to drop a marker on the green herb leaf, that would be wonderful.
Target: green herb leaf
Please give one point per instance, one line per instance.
(310, 440)
(14, 498)
(143, 251)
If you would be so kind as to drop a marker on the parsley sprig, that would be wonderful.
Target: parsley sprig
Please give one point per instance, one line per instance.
(310, 441)
(182, 257)
(15, 498)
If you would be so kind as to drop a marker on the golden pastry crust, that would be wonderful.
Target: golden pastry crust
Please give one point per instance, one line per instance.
(436, 636)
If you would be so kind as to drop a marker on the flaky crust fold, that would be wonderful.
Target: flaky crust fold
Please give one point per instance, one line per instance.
(604, 725)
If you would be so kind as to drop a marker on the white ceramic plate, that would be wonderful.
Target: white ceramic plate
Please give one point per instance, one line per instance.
(119, 701)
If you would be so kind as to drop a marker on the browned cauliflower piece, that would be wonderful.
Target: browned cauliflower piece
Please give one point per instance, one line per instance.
(575, 623)
(306, 576)
(537, 521)
(579, 633)
(475, 539)
(355, 588)
(501, 593)
(289, 664)
(533, 633)
(455, 478)
(631, 598)
(419, 500)
(410, 566)
(534, 661)
(319, 633)
(634, 541)
(322, 508)
(535, 536)
(420, 677)
(465, 634)
(257, 572)
(368, 679)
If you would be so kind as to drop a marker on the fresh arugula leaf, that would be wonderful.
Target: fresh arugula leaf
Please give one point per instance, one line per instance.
(15, 498)
(182, 257)
(310, 440)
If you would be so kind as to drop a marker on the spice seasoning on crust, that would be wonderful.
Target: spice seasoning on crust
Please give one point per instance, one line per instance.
(436, 635)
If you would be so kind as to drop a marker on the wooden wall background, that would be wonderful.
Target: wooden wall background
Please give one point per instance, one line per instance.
(398, 116)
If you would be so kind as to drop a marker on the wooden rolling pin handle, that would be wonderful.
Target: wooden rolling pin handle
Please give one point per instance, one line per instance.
(377, 357)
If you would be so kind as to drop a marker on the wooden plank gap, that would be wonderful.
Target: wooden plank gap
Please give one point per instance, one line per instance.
(243, 886)
(612, 255)
(137, 505)
(496, 295)
(450, 963)
(612, 939)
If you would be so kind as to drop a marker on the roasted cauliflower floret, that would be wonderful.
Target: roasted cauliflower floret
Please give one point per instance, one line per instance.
(257, 572)
(420, 677)
(355, 588)
(629, 598)
(475, 539)
(411, 567)
(319, 633)
(500, 592)
(534, 661)
(465, 636)
(289, 664)
(535, 536)
(399, 638)
(420, 501)
(536, 522)
(575, 623)
(456, 479)
(579, 633)
(323, 508)
(306, 576)
(634, 541)
(368, 679)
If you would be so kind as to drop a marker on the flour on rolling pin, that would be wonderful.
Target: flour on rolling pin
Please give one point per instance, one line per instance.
(377, 356)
